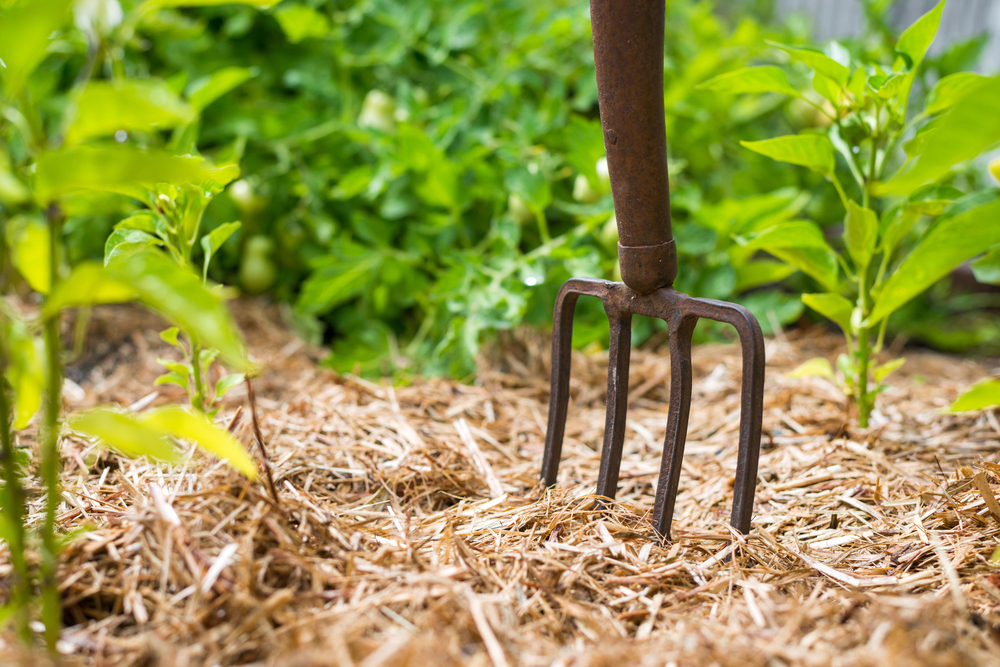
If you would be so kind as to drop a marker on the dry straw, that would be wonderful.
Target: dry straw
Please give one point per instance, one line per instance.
(411, 531)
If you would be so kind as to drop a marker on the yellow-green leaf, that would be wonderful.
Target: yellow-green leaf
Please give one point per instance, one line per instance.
(833, 306)
(983, 394)
(125, 433)
(807, 150)
(25, 371)
(184, 423)
(817, 60)
(207, 89)
(89, 284)
(105, 107)
(30, 253)
(751, 80)
(860, 234)
(818, 367)
(882, 371)
(122, 169)
(25, 32)
(950, 90)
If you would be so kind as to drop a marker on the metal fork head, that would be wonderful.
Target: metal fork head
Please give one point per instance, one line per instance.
(681, 312)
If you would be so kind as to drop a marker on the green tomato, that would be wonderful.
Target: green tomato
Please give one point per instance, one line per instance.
(583, 192)
(377, 112)
(519, 210)
(242, 194)
(608, 235)
(257, 271)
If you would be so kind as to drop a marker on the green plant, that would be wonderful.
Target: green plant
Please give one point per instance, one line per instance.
(980, 396)
(900, 234)
(56, 156)
(418, 175)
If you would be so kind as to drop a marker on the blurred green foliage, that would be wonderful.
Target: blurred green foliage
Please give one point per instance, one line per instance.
(420, 174)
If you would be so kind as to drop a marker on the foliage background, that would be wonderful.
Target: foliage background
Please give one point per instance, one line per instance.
(412, 169)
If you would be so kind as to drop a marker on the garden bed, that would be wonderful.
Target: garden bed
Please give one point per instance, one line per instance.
(411, 529)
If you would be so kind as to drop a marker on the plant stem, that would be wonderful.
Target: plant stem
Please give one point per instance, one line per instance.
(13, 509)
(51, 608)
(198, 400)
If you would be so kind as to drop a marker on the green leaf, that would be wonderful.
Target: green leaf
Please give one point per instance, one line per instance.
(172, 378)
(807, 150)
(860, 234)
(88, 284)
(178, 368)
(754, 273)
(530, 185)
(817, 60)
(987, 268)
(207, 89)
(179, 295)
(900, 221)
(950, 90)
(30, 254)
(972, 126)
(124, 243)
(150, 5)
(984, 394)
(212, 241)
(122, 431)
(25, 32)
(827, 87)
(857, 83)
(184, 423)
(25, 371)
(132, 105)
(226, 383)
(945, 246)
(301, 22)
(818, 367)
(141, 221)
(916, 39)
(883, 371)
(338, 279)
(751, 80)
(170, 336)
(832, 306)
(122, 169)
(801, 244)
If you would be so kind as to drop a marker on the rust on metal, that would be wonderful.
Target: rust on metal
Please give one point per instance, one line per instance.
(628, 53)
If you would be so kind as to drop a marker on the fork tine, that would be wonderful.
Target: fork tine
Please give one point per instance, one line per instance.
(562, 338)
(619, 349)
(681, 332)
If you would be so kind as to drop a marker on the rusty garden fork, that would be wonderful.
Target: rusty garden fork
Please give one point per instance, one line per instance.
(628, 53)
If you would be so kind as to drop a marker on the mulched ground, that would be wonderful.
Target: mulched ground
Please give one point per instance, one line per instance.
(411, 529)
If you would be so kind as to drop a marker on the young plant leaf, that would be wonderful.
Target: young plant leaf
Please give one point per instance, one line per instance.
(212, 241)
(25, 32)
(124, 432)
(950, 90)
(754, 273)
(88, 284)
(818, 367)
(972, 126)
(984, 394)
(124, 243)
(751, 80)
(801, 244)
(807, 150)
(30, 253)
(987, 268)
(25, 371)
(209, 88)
(143, 222)
(882, 371)
(833, 306)
(169, 336)
(226, 383)
(860, 234)
(122, 169)
(946, 245)
(184, 423)
(180, 369)
(179, 295)
(145, 105)
(912, 45)
(817, 60)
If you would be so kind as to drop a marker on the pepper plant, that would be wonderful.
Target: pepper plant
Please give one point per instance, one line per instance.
(100, 141)
(908, 222)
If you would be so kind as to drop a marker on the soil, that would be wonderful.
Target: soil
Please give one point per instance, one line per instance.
(409, 527)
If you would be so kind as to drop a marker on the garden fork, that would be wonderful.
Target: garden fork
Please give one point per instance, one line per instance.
(628, 54)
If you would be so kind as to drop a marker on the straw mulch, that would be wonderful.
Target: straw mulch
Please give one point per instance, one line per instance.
(411, 530)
